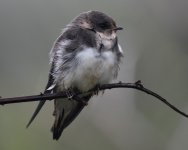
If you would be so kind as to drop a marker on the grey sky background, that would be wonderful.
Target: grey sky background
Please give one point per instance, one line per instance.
(154, 41)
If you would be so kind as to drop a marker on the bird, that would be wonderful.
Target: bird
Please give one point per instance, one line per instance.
(85, 55)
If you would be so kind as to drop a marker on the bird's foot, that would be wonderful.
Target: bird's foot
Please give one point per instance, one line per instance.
(69, 93)
(96, 90)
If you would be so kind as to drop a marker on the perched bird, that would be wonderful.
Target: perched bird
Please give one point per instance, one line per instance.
(85, 55)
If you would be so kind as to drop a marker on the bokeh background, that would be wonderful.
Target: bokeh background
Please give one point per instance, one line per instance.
(155, 42)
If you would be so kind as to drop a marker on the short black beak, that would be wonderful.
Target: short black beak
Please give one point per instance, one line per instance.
(118, 28)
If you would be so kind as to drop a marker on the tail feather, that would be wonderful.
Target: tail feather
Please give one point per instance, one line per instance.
(37, 110)
(41, 103)
(65, 112)
(58, 127)
(50, 87)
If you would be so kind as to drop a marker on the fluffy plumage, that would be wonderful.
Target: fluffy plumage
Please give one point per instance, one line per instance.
(85, 55)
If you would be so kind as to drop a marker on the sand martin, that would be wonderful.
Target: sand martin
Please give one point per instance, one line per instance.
(85, 55)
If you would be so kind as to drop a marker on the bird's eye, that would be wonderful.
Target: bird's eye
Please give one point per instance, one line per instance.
(104, 25)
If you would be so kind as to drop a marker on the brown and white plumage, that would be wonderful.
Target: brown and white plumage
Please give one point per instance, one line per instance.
(85, 55)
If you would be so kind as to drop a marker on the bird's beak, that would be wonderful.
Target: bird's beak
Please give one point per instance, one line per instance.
(118, 28)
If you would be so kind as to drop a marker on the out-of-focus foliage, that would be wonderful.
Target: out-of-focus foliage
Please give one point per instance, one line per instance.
(156, 51)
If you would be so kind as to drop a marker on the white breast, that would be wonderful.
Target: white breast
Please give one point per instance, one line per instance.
(93, 68)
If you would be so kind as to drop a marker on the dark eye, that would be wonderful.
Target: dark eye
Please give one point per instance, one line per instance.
(104, 25)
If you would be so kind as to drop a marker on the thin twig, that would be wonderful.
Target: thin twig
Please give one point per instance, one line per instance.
(137, 85)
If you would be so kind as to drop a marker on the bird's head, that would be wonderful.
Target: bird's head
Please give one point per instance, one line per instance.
(101, 24)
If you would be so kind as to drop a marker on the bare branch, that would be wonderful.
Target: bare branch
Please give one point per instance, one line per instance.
(137, 85)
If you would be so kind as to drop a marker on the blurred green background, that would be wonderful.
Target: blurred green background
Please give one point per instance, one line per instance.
(155, 42)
